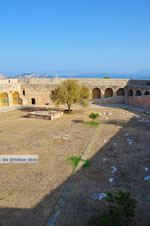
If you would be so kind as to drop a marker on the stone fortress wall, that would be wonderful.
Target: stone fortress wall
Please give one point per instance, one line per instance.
(37, 91)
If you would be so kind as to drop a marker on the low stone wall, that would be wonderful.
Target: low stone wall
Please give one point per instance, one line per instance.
(139, 101)
(45, 114)
(109, 100)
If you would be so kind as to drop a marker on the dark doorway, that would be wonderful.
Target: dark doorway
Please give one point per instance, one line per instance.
(138, 93)
(108, 92)
(96, 93)
(33, 100)
(147, 93)
(130, 92)
(120, 92)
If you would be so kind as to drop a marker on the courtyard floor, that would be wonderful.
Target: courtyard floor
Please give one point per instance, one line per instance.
(29, 192)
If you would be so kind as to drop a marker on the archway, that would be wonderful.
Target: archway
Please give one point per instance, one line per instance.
(33, 100)
(108, 92)
(96, 93)
(130, 92)
(121, 92)
(15, 98)
(138, 93)
(4, 100)
(147, 93)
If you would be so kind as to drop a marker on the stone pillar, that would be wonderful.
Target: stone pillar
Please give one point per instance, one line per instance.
(10, 99)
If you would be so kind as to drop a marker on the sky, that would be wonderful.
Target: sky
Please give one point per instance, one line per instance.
(74, 36)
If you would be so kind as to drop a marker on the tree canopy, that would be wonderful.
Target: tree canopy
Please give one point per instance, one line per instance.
(69, 93)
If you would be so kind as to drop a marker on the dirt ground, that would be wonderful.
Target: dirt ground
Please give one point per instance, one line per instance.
(29, 192)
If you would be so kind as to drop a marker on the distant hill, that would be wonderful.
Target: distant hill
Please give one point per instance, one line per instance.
(2, 76)
(33, 75)
(145, 74)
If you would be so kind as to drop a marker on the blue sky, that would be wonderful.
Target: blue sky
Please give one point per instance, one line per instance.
(74, 36)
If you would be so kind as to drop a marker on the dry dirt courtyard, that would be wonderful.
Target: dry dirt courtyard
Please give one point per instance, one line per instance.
(29, 192)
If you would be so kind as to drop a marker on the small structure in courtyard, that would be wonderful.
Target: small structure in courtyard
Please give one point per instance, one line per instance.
(49, 115)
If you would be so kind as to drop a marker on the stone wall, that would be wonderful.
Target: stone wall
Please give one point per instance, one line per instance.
(37, 91)
(139, 101)
(110, 100)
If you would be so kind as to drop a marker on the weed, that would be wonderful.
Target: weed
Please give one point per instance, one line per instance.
(92, 123)
(86, 163)
(74, 160)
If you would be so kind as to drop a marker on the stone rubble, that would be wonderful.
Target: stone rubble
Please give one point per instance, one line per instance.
(98, 196)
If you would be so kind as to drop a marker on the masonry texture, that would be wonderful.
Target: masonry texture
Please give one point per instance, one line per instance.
(103, 91)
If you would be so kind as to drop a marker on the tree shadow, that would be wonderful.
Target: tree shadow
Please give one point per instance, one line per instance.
(78, 121)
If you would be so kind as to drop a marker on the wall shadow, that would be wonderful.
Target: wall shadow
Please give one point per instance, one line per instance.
(130, 161)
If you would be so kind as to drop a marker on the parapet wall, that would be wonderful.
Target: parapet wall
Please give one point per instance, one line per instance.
(139, 101)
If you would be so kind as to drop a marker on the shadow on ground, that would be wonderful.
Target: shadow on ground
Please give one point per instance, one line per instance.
(130, 161)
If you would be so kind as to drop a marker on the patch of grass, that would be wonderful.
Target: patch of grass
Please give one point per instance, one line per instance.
(92, 123)
(86, 163)
(74, 160)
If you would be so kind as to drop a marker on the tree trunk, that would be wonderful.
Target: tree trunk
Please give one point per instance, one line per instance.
(69, 109)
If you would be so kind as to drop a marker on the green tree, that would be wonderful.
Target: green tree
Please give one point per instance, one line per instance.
(69, 93)
(93, 116)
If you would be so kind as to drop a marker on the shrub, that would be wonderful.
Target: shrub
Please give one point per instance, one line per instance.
(93, 116)
(120, 211)
(74, 160)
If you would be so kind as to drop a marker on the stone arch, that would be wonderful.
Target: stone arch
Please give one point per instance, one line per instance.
(138, 93)
(96, 93)
(33, 101)
(108, 92)
(147, 93)
(130, 92)
(15, 98)
(4, 100)
(121, 92)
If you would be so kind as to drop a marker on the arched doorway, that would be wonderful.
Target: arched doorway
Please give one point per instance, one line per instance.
(130, 92)
(15, 98)
(4, 100)
(147, 93)
(121, 92)
(138, 93)
(96, 93)
(108, 92)
(33, 100)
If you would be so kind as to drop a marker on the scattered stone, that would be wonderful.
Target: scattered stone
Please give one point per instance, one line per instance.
(55, 137)
(126, 134)
(136, 116)
(111, 180)
(98, 196)
(144, 120)
(66, 135)
(113, 169)
(130, 141)
(109, 114)
(104, 159)
(147, 178)
(106, 118)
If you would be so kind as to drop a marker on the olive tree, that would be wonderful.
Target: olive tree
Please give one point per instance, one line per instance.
(69, 93)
